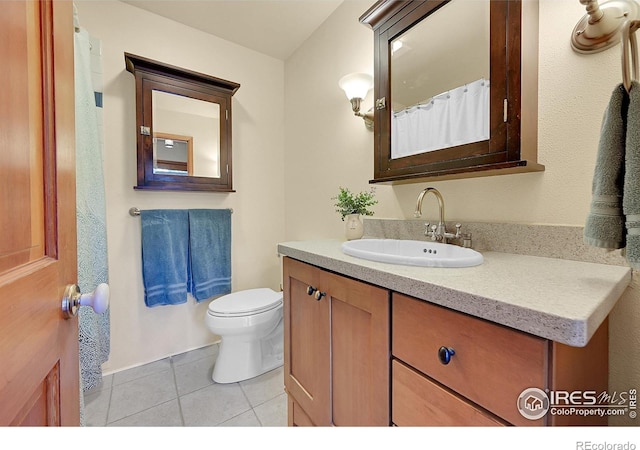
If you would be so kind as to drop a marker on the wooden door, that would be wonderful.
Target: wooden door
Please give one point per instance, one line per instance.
(39, 372)
(306, 337)
(360, 352)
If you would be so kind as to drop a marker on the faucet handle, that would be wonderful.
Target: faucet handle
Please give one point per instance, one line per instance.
(458, 226)
(434, 234)
(430, 230)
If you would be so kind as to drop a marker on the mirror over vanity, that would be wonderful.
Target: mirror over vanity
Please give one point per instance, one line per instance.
(183, 127)
(455, 88)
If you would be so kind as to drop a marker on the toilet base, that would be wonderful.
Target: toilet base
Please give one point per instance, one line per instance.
(239, 359)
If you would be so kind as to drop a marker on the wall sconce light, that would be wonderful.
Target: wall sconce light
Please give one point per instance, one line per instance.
(356, 86)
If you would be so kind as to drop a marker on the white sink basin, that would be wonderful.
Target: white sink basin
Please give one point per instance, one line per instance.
(412, 253)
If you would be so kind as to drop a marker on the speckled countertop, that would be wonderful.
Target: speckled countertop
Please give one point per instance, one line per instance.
(562, 300)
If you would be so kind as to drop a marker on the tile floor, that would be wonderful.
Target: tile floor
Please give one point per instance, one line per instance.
(178, 391)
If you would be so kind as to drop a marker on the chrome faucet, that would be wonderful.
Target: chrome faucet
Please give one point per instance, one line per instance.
(437, 232)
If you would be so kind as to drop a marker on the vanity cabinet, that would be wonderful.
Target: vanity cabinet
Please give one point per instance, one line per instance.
(359, 354)
(336, 348)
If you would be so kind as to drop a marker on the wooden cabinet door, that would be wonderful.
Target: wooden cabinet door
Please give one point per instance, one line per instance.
(336, 348)
(39, 371)
(360, 352)
(307, 340)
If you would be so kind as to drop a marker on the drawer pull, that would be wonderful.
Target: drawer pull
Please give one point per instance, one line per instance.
(318, 295)
(445, 354)
(310, 290)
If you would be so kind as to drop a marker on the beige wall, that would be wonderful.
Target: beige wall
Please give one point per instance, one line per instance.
(140, 334)
(326, 147)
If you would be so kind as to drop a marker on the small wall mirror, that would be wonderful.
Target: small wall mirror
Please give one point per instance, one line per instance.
(183, 123)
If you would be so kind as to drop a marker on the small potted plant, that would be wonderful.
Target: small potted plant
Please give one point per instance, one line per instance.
(352, 206)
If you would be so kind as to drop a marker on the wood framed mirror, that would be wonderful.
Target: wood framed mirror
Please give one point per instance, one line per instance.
(183, 127)
(442, 66)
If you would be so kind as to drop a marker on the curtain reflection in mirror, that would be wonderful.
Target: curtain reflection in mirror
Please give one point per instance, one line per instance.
(456, 117)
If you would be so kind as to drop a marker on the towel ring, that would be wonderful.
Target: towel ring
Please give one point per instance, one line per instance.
(629, 44)
(601, 27)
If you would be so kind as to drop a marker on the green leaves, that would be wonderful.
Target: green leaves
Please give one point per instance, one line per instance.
(348, 203)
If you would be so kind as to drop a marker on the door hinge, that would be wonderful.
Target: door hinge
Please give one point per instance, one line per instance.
(226, 114)
(145, 131)
(506, 109)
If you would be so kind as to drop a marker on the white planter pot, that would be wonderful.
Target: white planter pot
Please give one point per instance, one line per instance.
(354, 229)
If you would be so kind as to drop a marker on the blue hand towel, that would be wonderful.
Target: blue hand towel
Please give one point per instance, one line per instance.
(605, 225)
(210, 242)
(165, 256)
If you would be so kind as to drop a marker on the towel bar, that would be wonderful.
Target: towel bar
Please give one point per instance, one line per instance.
(136, 211)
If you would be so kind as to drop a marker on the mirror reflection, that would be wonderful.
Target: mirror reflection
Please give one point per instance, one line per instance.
(172, 154)
(186, 136)
(440, 74)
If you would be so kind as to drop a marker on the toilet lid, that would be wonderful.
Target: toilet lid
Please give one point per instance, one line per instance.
(250, 301)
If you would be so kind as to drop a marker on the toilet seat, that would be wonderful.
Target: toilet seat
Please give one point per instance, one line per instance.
(245, 303)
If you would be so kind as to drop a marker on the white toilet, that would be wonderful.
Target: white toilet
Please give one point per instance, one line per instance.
(250, 325)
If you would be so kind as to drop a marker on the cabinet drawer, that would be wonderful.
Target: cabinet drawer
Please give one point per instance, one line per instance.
(417, 401)
(491, 366)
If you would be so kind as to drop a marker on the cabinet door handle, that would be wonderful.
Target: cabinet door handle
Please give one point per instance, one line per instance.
(445, 354)
(310, 290)
(318, 295)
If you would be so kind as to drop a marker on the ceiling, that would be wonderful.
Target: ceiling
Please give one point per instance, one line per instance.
(273, 27)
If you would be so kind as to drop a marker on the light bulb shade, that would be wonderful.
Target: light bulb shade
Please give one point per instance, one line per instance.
(356, 85)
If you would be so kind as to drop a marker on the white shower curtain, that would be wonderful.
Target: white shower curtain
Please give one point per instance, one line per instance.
(459, 116)
(91, 217)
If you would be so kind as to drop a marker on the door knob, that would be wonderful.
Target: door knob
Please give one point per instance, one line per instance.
(73, 300)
